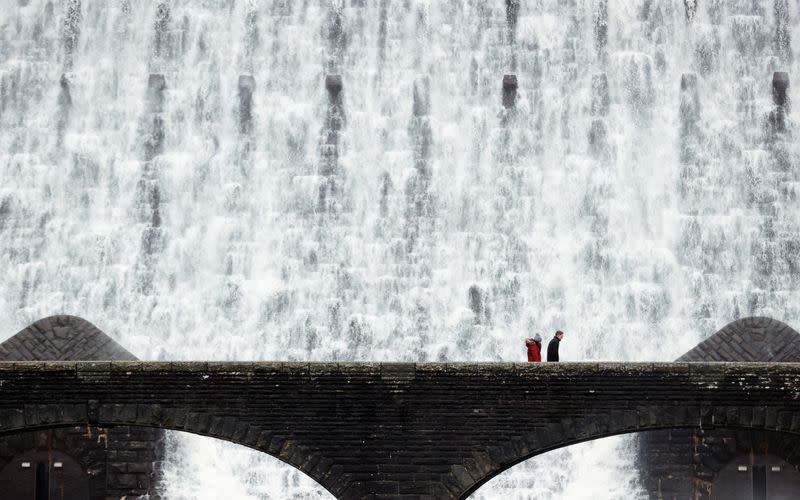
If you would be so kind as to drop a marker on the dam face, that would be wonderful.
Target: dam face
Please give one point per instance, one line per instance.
(398, 180)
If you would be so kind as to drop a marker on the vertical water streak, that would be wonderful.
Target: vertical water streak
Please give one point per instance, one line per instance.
(783, 34)
(331, 187)
(149, 197)
(601, 28)
(71, 31)
(63, 107)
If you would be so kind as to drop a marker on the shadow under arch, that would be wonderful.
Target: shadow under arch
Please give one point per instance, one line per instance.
(506, 466)
(44, 473)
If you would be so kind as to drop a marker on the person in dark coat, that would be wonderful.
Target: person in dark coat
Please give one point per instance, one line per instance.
(534, 346)
(552, 347)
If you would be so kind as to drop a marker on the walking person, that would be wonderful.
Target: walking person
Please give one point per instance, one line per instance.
(534, 346)
(552, 347)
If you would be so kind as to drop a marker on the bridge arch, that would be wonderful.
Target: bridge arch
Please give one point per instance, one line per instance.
(18, 446)
(493, 462)
(760, 447)
(499, 459)
(42, 417)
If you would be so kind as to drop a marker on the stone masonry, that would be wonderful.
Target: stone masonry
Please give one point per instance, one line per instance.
(401, 431)
(750, 339)
(118, 461)
(62, 338)
(682, 463)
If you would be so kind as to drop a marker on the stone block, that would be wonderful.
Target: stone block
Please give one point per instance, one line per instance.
(771, 418)
(117, 467)
(333, 83)
(148, 414)
(12, 419)
(382, 487)
(275, 444)
(198, 422)
(240, 433)
(462, 476)
(509, 90)
(416, 488)
(139, 467)
(780, 87)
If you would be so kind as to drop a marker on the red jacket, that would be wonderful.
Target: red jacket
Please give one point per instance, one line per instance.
(534, 350)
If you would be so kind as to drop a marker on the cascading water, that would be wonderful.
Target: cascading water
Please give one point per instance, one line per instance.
(356, 180)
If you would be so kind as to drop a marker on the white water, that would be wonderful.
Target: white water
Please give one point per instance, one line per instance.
(216, 245)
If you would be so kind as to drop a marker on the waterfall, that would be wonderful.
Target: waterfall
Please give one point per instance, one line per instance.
(404, 180)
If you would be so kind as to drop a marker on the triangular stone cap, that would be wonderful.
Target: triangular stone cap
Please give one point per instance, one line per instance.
(62, 338)
(749, 339)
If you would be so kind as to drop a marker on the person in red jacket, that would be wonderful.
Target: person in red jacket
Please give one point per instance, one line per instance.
(534, 346)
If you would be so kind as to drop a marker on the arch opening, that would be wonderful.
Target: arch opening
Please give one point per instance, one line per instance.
(212, 468)
(221, 469)
(605, 473)
(665, 462)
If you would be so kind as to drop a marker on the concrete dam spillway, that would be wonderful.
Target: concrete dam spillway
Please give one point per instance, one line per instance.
(398, 180)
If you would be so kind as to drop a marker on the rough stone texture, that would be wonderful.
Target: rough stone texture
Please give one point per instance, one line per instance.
(119, 461)
(108, 456)
(749, 339)
(401, 430)
(682, 463)
(62, 338)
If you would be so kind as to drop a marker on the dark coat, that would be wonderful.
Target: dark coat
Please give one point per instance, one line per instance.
(552, 349)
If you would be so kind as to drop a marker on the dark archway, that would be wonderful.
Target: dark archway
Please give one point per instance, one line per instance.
(755, 477)
(687, 462)
(116, 460)
(44, 474)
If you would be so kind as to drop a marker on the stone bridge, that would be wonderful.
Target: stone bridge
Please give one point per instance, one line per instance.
(411, 431)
